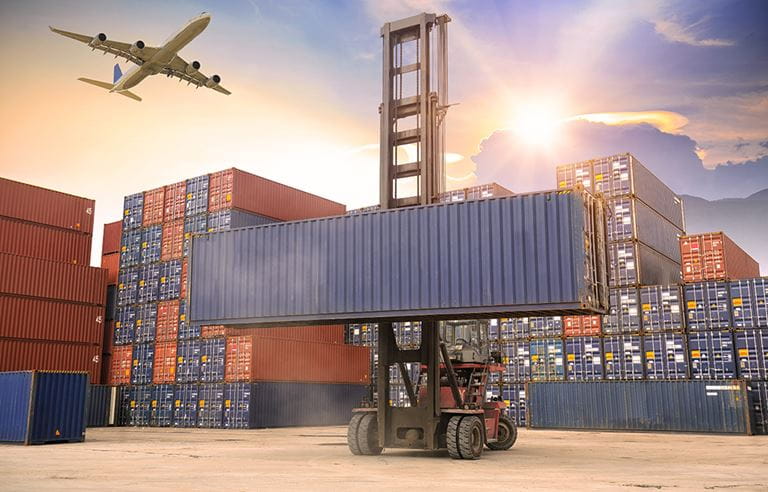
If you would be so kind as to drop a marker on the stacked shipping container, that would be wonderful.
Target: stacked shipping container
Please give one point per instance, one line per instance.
(51, 301)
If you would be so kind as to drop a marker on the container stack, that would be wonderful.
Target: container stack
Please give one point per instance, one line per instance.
(175, 373)
(51, 301)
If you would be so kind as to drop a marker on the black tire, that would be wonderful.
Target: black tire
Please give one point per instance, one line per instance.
(471, 437)
(452, 437)
(352, 431)
(368, 435)
(507, 435)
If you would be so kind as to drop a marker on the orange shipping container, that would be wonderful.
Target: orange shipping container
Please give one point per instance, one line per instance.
(164, 370)
(211, 331)
(120, 368)
(173, 240)
(154, 206)
(252, 358)
(319, 333)
(35, 204)
(111, 239)
(714, 256)
(183, 286)
(44, 319)
(175, 201)
(577, 326)
(18, 237)
(28, 355)
(167, 327)
(111, 263)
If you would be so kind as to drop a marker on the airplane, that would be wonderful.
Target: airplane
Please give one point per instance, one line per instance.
(150, 60)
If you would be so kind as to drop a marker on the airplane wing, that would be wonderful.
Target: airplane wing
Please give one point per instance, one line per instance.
(116, 48)
(181, 69)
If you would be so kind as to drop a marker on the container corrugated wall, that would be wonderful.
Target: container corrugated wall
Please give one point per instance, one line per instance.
(27, 355)
(101, 405)
(111, 239)
(35, 204)
(679, 406)
(439, 260)
(40, 241)
(43, 319)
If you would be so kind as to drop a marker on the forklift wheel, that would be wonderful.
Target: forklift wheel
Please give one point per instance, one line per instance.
(507, 435)
(363, 434)
(465, 437)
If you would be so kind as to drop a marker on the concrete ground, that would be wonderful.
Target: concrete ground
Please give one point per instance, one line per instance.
(317, 458)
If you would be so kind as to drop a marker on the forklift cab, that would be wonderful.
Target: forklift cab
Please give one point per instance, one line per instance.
(467, 341)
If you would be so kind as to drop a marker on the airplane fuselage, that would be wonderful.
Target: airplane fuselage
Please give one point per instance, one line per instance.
(164, 55)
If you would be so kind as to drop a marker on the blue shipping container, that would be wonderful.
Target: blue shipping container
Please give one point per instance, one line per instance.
(210, 408)
(514, 329)
(665, 356)
(514, 396)
(101, 405)
(662, 308)
(547, 360)
(143, 362)
(632, 263)
(631, 219)
(133, 211)
(624, 314)
(516, 357)
(761, 301)
(149, 283)
(141, 405)
(584, 358)
(759, 402)
(127, 286)
(212, 353)
(196, 224)
(146, 322)
(151, 244)
(707, 306)
(187, 330)
(43, 407)
(743, 304)
(623, 356)
(752, 353)
(130, 248)
(711, 354)
(546, 326)
(185, 405)
(363, 267)
(125, 325)
(228, 219)
(170, 280)
(188, 361)
(197, 196)
(124, 405)
(163, 398)
(678, 406)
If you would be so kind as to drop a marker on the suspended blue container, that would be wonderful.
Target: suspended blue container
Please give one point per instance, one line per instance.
(39, 407)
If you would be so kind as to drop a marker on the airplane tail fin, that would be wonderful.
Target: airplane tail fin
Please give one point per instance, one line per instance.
(118, 73)
(108, 86)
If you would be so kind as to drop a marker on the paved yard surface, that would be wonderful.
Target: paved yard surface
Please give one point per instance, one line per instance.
(316, 458)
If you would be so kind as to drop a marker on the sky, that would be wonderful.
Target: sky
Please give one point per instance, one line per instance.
(681, 84)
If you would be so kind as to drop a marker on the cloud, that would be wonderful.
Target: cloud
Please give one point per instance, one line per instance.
(666, 121)
(512, 162)
(676, 33)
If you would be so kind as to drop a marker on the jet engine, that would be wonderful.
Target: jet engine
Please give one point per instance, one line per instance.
(98, 39)
(213, 81)
(137, 47)
(192, 68)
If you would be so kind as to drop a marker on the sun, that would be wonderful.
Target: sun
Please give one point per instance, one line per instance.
(536, 123)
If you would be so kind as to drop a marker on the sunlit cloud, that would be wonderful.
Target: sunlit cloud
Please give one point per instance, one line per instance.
(676, 33)
(666, 121)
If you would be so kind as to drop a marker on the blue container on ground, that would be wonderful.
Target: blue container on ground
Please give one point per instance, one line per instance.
(170, 280)
(149, 283)
(212, 353)
(185, 405)
(151, 244)
(146, 322)
(43, 407)
(547, 360)
(163, 398)
(140, 405)
(133, 211)
(584, 358)
(127, 286)
(210, 409)
(130, 248)
(662, 308)
(188, 361)
(125, 325)
(143, 362)
(623, 356)
(100, 405)
(197, 195)
(515, 398)
(707, 306)
(665, 356)
(752, 353)
(711, 355)
(758, 392)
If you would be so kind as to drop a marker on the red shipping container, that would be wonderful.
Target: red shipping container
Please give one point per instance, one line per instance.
(577, 326)
(252, 358)
(52, 280)
(175, 201)
(120, 365)
(43, 319)
(167, 328)
(319, 333)
(111, 263)
(112, 235)
(35, 204)
(233, 188)
(714, 256)
(212, 331)
(18, 237)
(183, 286)
(173, 240)
(164, 369)
(28, 355)
(154, 207)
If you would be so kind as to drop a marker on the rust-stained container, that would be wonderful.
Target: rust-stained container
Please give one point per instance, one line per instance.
(320, 333)
(175, 201)
(112, 233)
(43, 319)
(120, 368)
(714, 256)
(18, 237)
(44, 355)
(167, 321)
(111, 263)
(154, 206)
(173, 240)
(212, 331)
(252, 358)
(35, 204)
(52, 280)
(578, 326)
(164, 370)
(233, 188)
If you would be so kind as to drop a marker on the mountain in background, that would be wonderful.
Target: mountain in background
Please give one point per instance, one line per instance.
(745, 220)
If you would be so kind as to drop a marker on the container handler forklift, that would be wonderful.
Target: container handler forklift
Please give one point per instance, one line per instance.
(448, 405)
